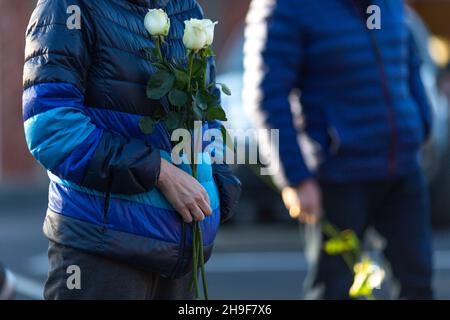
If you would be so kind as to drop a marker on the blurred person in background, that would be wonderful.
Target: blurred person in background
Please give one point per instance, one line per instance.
(354, 155)
(7, 288)
(118, 212)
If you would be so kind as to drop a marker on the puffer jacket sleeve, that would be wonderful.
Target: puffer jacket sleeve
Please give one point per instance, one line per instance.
(59, 133)
(273, 63)
(417, 87)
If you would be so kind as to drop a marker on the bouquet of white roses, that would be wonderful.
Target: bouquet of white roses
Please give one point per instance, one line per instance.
(191, 96)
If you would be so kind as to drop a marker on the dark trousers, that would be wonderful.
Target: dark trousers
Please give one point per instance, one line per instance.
(398, 209)
(106, 279)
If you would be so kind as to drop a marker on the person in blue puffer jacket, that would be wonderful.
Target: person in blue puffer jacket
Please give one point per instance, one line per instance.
(118, 209)
(364, 114)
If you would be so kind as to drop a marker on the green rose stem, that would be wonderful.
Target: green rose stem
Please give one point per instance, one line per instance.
(195, 258)
(198, 249)
(202, 265)
(197, 237)
(191, 67)
(205, 85)
(158, 47)
(200, 236)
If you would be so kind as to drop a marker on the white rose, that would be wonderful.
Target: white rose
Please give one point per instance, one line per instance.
(198, 34)
(157, 22)
(209, 26)
(194, 35)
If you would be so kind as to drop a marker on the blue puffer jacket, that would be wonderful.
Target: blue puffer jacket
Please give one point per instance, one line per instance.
(84, 94)
(363, 102)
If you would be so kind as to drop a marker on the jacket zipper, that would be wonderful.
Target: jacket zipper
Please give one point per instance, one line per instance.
(392, 153)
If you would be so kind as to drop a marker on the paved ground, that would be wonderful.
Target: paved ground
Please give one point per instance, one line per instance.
(250, 262)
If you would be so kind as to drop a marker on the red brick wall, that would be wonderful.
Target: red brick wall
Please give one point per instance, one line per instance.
(15, 162)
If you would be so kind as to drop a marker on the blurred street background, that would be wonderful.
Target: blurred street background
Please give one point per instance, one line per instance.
(259, 254)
